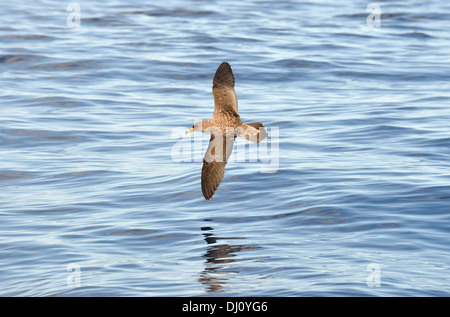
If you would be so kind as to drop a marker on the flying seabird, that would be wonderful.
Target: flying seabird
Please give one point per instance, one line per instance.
(224, 127)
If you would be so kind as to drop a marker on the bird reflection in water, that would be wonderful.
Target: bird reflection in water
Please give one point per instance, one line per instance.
(218, 256)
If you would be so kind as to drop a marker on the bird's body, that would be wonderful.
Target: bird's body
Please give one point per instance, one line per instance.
(224, 127)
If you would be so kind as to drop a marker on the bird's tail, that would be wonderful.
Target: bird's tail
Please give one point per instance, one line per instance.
(254, 132)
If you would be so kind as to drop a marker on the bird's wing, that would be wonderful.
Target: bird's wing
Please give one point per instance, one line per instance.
(216, 157)
(225, 99)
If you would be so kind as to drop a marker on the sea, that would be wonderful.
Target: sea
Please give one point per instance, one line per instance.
(349, 196)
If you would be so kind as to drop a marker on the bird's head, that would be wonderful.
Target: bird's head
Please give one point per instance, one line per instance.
(198, 126)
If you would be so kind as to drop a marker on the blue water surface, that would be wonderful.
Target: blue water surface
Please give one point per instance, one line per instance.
(95, 199)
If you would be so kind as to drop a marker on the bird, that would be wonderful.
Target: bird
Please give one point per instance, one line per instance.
(224, 126)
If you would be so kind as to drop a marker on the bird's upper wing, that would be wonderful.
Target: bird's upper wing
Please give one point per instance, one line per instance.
(216, 157)
(223, 90)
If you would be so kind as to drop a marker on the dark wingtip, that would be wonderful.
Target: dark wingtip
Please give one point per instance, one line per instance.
(207, 194)
(224, 76)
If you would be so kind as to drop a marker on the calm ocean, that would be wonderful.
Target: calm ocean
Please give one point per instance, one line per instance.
(100, 188)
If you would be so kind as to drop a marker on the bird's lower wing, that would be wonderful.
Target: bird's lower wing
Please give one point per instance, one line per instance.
(216, 157)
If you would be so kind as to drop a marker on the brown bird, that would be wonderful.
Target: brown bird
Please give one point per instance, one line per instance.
(224, 127)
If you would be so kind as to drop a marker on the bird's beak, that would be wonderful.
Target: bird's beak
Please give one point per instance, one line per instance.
(189, 131)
